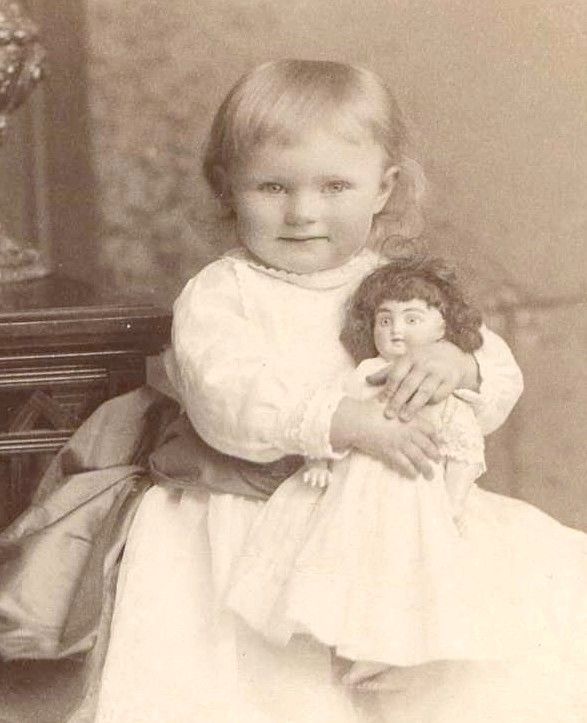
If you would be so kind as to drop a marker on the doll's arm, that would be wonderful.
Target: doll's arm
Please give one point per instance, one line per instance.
(463, 449)
(317, 472)
(460, 477)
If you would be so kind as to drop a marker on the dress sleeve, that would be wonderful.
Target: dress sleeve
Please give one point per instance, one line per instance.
(501, 383)
(241, 398)
(460, 435)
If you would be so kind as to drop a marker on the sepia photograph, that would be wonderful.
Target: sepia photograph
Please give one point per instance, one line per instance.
(293, 328)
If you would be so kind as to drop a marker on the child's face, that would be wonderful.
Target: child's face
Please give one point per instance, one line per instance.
(309, 205)
(401, 326)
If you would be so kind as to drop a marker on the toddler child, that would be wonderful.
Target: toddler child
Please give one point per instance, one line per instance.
(309, 158)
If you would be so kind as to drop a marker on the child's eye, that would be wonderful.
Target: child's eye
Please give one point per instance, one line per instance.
(335, 187)
(383, 321)
(270, 187)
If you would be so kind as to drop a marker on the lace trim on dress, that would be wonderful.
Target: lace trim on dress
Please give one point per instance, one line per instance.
(308, 428)
(461, 437)
(365, 260)
(315, 429)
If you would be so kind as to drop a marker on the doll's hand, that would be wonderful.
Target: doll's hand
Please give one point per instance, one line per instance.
(425, 375)
(317, 473)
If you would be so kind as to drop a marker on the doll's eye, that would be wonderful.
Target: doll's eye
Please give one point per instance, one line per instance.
(412, 319)
(272, 188)
(335, 187)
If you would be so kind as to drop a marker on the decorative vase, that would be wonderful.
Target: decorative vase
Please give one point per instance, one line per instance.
(22, 61)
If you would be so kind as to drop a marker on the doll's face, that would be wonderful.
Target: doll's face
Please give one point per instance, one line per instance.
(308, 205)
(401, 326)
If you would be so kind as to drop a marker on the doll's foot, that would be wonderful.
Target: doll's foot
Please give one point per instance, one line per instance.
(378, 676)
(317, 474)
(362, 671)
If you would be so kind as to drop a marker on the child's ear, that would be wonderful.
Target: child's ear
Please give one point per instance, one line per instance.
(388, 181)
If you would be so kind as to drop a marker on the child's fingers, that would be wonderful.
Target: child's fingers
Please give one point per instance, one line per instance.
(419, 460)
(400, 392)
(426, 427)
(443, 391)
(433, 390)
(427, 446)
(397, 374)
(423, 425)
(403, 464)
(423, 394)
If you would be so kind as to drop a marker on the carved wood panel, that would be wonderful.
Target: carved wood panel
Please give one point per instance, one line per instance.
(43, 406)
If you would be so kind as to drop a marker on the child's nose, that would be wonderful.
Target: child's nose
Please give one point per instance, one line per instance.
(302, 209)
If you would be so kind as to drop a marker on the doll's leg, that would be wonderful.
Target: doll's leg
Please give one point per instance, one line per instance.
(387, 697)
(364, 676)
(407, 694)
(317, 473)
(367, 675)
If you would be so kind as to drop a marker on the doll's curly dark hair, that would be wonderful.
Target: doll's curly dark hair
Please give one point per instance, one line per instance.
(417, 276)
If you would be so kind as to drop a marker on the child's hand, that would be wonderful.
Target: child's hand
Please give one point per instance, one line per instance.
(408, 447)
(427, 374)
(317, 473)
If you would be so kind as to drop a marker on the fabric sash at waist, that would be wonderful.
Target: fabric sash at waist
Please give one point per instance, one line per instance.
(182, 459)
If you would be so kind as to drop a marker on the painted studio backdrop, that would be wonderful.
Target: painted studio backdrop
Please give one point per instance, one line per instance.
(495, 96)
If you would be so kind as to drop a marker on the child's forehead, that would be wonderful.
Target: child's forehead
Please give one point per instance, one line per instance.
(290, 133)
(318, 151)
(313, 140)
(343, 126)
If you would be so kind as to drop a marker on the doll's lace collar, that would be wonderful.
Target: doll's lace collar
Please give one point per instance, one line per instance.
(358, 265)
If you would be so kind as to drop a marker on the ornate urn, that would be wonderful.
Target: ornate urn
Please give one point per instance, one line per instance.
(21, 68)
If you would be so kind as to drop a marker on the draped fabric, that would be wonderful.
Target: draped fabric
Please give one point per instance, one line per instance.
(61, 556)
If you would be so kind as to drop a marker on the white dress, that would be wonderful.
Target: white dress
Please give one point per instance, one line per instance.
(254, 355)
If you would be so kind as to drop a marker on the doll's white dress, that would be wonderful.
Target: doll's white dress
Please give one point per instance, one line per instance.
(373, 565)
(254, 355)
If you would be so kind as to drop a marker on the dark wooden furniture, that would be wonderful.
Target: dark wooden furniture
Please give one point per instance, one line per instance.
(64, 349)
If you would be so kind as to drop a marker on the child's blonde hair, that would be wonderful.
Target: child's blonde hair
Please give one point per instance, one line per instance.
(281, 99)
